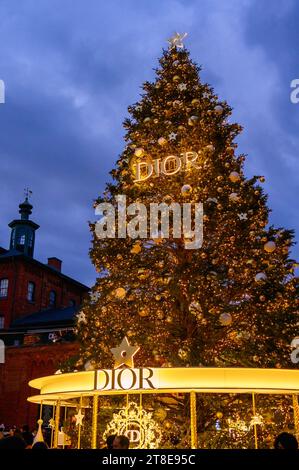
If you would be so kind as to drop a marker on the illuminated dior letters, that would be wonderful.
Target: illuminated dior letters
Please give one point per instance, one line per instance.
(125, 379)
(170, 165)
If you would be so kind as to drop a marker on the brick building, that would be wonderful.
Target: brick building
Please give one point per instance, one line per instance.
(38, 304)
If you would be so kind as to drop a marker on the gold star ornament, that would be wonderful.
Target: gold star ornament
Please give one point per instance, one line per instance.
(124, 353)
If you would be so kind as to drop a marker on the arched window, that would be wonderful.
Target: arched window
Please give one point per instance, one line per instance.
(31, 292)
(21, 240)
(3, 288)
(52, 298)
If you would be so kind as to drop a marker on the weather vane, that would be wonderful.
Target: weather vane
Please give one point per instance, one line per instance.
(27, 193)
(177, 41)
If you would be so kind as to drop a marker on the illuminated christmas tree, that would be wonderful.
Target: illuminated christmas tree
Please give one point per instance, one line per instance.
(231, 302)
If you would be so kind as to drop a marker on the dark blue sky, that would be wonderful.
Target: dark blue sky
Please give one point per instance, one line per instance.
(71, 68)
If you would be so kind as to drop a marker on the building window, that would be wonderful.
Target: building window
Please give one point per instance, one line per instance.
(22, 240)
(13, 237)
(72, 303)
(30, 241)
(52, 298)
(31, 292)
(1, 322)
(3, 288)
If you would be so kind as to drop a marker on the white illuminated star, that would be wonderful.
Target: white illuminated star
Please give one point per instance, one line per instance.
(94, 296)
(79, 417)
(182, 86)
(177, 41)
(81, 317)
(172, 136)
(242, 216)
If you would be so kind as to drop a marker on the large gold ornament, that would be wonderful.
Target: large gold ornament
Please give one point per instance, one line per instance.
(234, 176)
(186, 190)
(120, 293)
(270, 246)
(225, 319)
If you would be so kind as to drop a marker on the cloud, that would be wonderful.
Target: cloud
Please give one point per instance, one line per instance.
(71, 69)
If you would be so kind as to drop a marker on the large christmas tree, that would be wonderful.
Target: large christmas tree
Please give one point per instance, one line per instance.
(231, 302)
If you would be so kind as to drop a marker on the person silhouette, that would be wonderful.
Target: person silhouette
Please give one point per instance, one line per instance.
(109, 441)
(286, 440)
(121, 442)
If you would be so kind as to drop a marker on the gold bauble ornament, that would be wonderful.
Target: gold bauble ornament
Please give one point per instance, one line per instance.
(147, 119)
(167, 199)
(144, 312)
(139, 152)
(120, 293)
(260, 277)
(192, 120)
(186, 190)
(234, 176)
(176, 78)
(219, 415)
(270, 246)
(195, 102)
(225, 319)
(218, 109)
(162, 141)
(262, 298)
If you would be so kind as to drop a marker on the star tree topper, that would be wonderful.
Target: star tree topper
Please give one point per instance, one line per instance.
(177, 41)
(124, 353)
